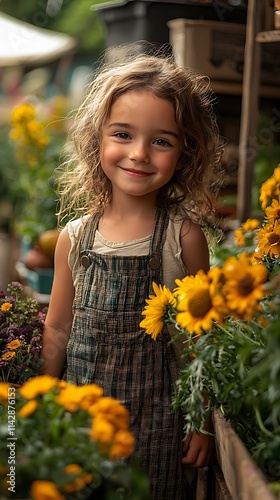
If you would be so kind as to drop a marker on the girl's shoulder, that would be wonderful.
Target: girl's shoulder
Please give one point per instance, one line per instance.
(75, 227)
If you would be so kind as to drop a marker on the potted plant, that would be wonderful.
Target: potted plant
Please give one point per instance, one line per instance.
(231, 319)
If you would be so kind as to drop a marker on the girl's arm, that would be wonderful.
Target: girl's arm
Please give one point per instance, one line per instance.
(59, 316)
(197, 448)
(195, 252)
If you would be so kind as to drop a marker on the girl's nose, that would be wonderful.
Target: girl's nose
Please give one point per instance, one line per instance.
(139, 152)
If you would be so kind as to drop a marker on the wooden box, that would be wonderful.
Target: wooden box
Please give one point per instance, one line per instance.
(243, 478)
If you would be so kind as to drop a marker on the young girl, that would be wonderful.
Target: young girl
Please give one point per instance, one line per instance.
(145, 153)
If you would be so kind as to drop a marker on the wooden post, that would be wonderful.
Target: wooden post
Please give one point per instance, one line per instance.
(249, 111)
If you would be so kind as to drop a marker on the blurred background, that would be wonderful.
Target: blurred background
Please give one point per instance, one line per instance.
(49, 50)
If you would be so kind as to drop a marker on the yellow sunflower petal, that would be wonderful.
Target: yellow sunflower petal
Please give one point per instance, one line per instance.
(155, 310)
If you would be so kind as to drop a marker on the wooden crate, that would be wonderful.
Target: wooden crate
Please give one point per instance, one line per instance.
(243, 478)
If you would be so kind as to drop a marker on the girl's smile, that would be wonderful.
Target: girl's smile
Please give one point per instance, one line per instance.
(140, 143)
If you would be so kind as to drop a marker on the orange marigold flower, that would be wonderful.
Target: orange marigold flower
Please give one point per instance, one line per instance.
(37, 386)
(123, 444)
(45, 490)
(80, 480)
(28, 409)
(6, 306)
(4, 386)
(14, 344)
(102, 430)
(8, 355)
(112, 410)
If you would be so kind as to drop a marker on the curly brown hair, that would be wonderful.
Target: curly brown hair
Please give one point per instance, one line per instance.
(82, 185)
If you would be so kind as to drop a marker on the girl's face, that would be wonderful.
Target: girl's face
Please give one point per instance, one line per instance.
(141, 144)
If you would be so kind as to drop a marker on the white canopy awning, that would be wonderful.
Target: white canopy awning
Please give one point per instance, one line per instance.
(23, 43)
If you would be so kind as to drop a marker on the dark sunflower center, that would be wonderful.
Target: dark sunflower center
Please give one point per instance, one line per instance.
(274, 239)
(245, 286)
(200, 303)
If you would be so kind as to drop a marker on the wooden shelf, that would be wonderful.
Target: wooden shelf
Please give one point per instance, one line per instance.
(268, 36)
(235, 88)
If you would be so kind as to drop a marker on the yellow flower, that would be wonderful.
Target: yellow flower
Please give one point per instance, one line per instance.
(45, 490)
(6, 306)
(268, 239)
(270, 188)
(256, 257)
(245, 235)
(123, 445)
(276, 174)
(8, 355)
(80, 481)
(217, 280)
(37, 385)
(239, 237)
(273, 211)
(89, 395)
(250, 224)
(74, 398)
(14, 344)
(112, 410)
(22, 113)
(28, 409)
(244, 285)
(36, 131)
(4, 386)
(73, 469)
(102, 431)
(196, 303)
(155, 310)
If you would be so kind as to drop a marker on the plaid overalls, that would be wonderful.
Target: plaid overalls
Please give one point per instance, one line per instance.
(107, 347)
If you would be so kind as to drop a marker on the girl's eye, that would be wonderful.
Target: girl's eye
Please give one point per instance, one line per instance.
(162, 142)
(122, 135)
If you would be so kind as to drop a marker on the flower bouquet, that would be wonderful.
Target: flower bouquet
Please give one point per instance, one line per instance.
(230, 317)
(21, 328)
(60, 441)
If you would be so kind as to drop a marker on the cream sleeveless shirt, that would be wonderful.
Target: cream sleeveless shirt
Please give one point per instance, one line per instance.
(173, 266)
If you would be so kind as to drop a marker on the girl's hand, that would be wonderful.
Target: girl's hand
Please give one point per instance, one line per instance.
(198, 449)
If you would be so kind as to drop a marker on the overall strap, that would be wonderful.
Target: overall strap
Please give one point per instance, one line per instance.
(89, 232)
(156, 245)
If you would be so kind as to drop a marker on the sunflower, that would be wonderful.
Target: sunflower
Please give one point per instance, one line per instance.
(270, 188)
(196, 303)
(244, 288)
(268, 238)
(273, 211)
(250, 224)
(246, 233)
(239, 237)
(156, 309)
